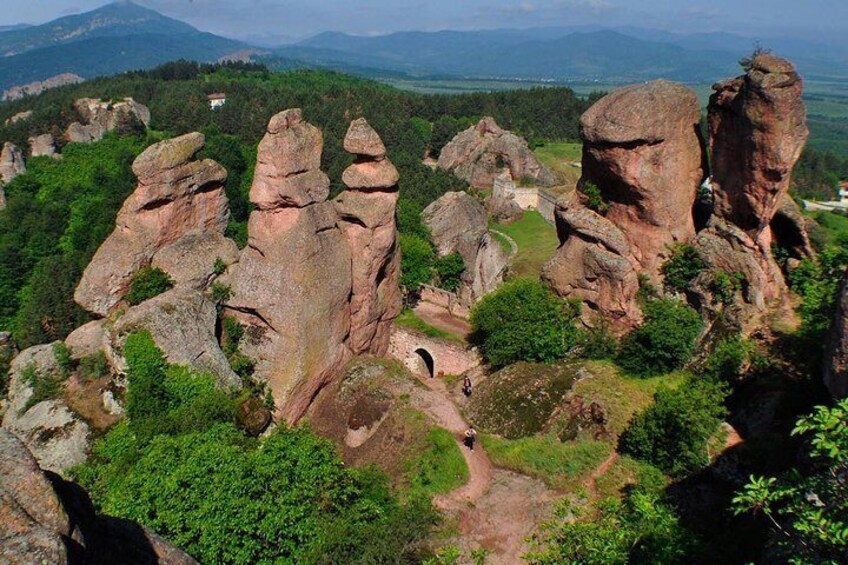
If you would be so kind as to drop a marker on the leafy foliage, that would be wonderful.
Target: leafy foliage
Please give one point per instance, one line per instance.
(664, 342)
(681, 269)
(817, 283)
(417, 257)
(449, 270)
(808, 512)
(524, 321)
(594, 198)
(147, 283)
(672, 434)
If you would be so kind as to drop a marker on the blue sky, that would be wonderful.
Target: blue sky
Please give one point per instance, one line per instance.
(822, 19)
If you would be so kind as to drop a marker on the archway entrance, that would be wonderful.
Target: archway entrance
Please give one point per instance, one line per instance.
(425, 362)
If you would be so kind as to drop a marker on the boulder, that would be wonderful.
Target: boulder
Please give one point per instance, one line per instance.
(87, 339)
(643, 151)
(45, 519)
(593, 264)
(11, 165)
(43, 145)
(190, 261)
(503, 210)
(57, 437)
(367, 218)
(19, 117)
(835, 364)
(789, 230)
(176, 197)
(458, 224)
(182, 322)
(292, 283)
(99, 117)
(480, 153)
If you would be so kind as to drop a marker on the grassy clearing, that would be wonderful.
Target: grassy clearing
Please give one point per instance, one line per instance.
(562, 465)
(408, 319)
(626, 471)
(537, 241)
(505, 245)
(621, 396)
(558, 157)
(436, 465)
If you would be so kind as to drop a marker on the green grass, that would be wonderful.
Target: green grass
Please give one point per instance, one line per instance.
(563, 465)
(408, 319)
(537, 241)
(558, 156)
(44, 387)
(502, 240)
(437, 466)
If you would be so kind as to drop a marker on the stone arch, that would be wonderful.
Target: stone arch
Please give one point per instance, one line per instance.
(426, 362)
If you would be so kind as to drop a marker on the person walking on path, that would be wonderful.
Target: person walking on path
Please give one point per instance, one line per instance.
(466, 386)
(470, 437)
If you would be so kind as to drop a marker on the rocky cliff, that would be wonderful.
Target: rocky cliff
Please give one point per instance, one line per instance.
(11, 165)
(99, 117)
(481, 152)
(45, 519)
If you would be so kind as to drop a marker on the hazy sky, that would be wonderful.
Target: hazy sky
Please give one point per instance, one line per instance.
(300, 18)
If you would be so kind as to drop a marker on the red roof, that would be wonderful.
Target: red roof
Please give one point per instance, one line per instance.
(217, 96)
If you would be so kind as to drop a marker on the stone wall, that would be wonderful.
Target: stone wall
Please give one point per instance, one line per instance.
(504, 187)
(449, 357)
(450, 301)
(546, 205)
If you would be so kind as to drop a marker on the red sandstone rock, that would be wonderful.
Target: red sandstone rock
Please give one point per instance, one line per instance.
(480, 153)
(836, 350)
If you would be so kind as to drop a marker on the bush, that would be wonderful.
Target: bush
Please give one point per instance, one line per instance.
(523, 321)
(681, 269)
(147, 283)
(665, 341)
(594, 199)
(221, 293)
(449, 269)
(94, 367)
(147, 397)
(673, 433)
(417, 258)
(44, 386)
(726, 360)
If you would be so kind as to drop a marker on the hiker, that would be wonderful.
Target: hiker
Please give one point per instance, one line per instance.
(470, 437)
(466, 386)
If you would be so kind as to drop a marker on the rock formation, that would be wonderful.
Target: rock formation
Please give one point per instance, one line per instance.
(11, 165)
(37, 87)
(757, 131)
(481, 152)
(292, 284)
(643, 153)
(99, 117)
(367, 218)
(19, 117)
(176, 198)
(458, 224)
(836, 349)
(57, 437)
(43, 145)
(45, 519)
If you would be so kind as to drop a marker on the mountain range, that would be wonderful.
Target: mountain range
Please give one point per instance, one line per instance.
(124, 36)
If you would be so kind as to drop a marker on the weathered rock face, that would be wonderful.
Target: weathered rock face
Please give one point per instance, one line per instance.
(43, 146)
(593, 264)
(641, 148)
(367, 218)
(789, 230)
(99, 117)
(458, 224)
(481, 152)
(757, 131)
(176, 197)
(44, 519)
(57, 437)
(182, 323)
(19, 117)
(292, 284)
(836, 351)
(11, 165)
(503, 210)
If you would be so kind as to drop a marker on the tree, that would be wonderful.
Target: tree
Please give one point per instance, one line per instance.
(673, 433)
(664, 342)
(681, 269)
(449, 269)
(416, 264)
(524, 321)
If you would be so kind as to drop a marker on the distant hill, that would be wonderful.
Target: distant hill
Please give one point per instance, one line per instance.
(114, 38)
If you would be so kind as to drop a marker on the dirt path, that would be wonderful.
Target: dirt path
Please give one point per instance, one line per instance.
(440, 318)
(496, 509)
(591, 482)
(512, 244)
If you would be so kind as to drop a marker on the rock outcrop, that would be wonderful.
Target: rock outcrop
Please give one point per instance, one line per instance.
(19, 117)
(99, 117)
(481, 152)
(836, 350)
(292, 284)
(458, 224)
(643, 155)
(367, 218)
(177, 197)
(11, 165)
(45, 519)
(57, 437)
(43, 145)
(37, 87)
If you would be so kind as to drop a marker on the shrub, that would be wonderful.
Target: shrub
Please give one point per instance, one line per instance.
(45, 386)
(594, 199)
(450, 269)
(221, 293)
(682, 267)
(723, 287)
(665, 341)
(219, 267)
(147, 397)
(727, 359)
(93, 367)
(598, 342)
(523, 321)
(673, 433)
(147, 283)
(417, 258)
(62, 353)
